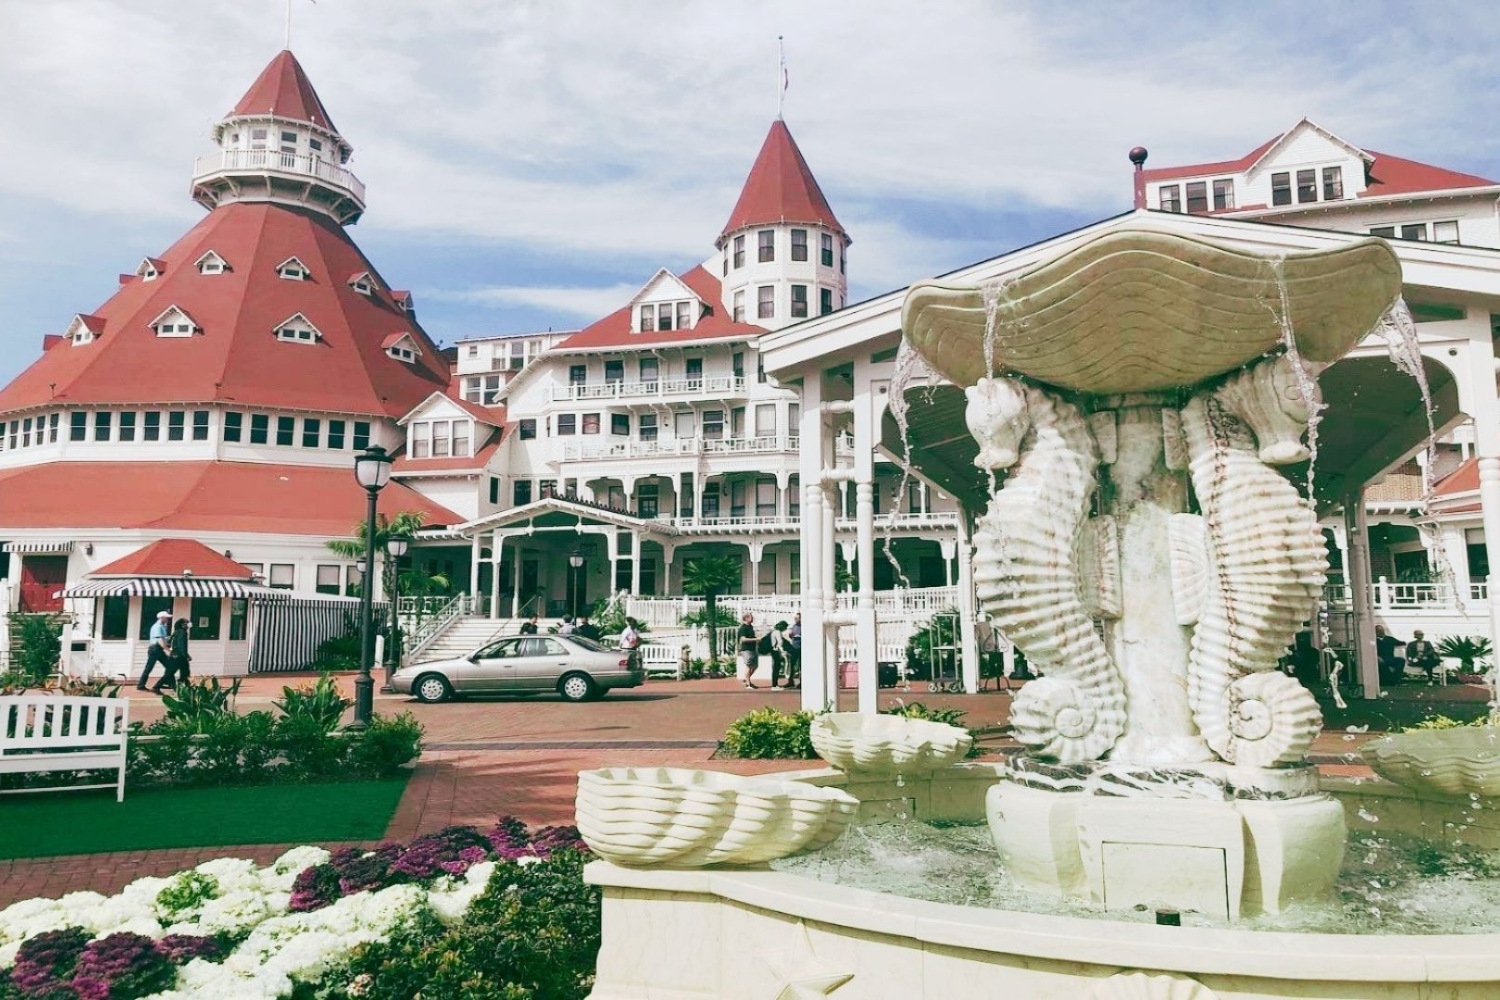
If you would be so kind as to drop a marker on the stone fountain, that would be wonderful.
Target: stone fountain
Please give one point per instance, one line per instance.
(1132, 400)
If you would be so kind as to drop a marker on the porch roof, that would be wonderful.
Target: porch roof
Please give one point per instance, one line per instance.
(562, 511)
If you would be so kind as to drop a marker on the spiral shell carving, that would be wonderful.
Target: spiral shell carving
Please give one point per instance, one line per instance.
(1027, 579)
(1268, 563)
(1272, 719)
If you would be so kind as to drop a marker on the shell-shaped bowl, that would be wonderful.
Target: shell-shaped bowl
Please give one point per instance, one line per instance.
(887, 744)
(1461, 761)
(672, 817)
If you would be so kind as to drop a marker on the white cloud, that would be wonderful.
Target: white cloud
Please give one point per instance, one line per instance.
(589, 303)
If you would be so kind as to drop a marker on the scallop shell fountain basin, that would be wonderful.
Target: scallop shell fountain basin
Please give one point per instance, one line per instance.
(1460, 761)
(683, 818)
(863, 744)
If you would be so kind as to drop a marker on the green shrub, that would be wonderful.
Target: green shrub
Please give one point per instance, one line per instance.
(766, 734)
(723, 618)
(533, 934)
(1444, 722)
(310, 752)
(1464, 648)
(13, 682)
(388, 744)
(36, 642)
(320, 701)
(202, 705)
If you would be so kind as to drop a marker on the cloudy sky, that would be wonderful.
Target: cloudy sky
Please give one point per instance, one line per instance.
(529, 164)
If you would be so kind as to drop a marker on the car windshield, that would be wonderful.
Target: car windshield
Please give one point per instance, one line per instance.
(586, 643)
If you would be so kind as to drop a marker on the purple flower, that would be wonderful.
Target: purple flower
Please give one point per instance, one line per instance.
(45, 963)
(315, 888)
(179, 949)
(120, 966)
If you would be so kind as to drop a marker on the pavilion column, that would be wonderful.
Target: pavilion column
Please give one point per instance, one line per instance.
(1455, 546)
(612, 539)
(783, 503)
(515, 584)
(968, 626)
(474, 556)
(1485, 409)
(636, 555)
(1357, 528)
(815, 693)
(948, 547)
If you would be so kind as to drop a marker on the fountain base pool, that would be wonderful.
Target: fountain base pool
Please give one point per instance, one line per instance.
(757, 933)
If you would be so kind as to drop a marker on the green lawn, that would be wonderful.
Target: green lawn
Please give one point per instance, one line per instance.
(46, 824)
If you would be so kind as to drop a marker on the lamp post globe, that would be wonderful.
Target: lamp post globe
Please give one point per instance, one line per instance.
(395, 548)
(372, 470)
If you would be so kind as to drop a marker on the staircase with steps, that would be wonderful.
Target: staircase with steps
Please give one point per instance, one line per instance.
(466, 634)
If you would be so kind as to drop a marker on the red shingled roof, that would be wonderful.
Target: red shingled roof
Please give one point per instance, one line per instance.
(199, 496)
(1221, 167)
(1464, 479)
(176, 557)
(237, 358)
(781, 188)
(284, 90)
(614, 329)
(1394, 175)
(467, 463)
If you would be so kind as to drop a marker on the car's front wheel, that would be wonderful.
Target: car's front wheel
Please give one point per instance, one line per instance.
(577, 687)
(432, 688)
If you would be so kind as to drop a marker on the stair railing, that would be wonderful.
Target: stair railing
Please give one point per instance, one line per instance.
(423, 635)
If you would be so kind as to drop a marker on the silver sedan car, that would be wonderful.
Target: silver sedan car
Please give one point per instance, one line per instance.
(579, 669)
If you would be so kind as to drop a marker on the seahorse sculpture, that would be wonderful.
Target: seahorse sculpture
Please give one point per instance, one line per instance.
(1266, 564)
(1025, 571)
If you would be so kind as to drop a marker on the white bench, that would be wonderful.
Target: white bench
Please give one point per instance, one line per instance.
(56, 733)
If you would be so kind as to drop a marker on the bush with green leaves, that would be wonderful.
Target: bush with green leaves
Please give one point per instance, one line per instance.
(202, 705)
(36, 645)
(768, 734)
(1466, 649)
(321, 701)
(1444, 722)
(388, 744)
(722, 618)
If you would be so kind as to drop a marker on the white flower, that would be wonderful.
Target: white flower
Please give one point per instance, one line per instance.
(528, 859)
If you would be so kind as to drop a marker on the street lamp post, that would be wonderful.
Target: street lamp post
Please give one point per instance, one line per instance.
(395, 548)
(575, 561)
(372, 469)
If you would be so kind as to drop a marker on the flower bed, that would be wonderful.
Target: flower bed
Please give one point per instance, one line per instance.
(355, 923)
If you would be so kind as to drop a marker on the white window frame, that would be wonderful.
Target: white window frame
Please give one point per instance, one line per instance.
(363, 283)
(173, 322)
(211, 263)
(293, 269)
(297, 329)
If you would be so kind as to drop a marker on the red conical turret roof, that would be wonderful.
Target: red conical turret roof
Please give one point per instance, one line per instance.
(284, 90)
(781, 188)
(234, 356)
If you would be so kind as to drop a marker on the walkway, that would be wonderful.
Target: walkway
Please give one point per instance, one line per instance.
(521, 756)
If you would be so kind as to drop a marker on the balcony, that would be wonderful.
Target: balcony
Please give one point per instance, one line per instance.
(717, 387)
(676, 447)
(274, 163)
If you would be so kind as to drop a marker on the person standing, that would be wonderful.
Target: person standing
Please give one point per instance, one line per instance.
(178, 672)
(779, 647)
(748, 651)
(586, 628)
(567, 627)
(630, 640)
(1422, 654)
(528, 627)
(160, 650)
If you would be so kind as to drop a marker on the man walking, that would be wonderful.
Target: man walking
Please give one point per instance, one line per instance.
(160, 650)
(586, 628)
(748, 651)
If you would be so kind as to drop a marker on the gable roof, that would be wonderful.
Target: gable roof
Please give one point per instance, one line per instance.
(1308, 125)
(200, 497)
(176, 557)
(1392, 175)
(613, 331)
(781, 188)
(493, 416)
(407, 466)
(283, 90)
(237, 360)
(93, 324)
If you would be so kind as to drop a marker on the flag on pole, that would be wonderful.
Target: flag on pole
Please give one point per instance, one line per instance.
(784, 80)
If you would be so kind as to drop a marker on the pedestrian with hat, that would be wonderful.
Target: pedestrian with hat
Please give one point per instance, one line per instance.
(160, 650)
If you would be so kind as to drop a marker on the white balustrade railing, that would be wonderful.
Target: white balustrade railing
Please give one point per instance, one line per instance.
(1386, 595)
(275, 161)
(716, 386)
(673, 447)
(912, 604)
(419, 637)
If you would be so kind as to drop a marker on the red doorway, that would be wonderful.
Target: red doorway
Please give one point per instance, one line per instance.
(42, 581)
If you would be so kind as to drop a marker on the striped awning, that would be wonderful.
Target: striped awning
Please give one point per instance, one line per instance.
(173, 586)
(37, 548)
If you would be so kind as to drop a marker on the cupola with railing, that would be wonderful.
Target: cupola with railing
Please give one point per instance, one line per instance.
(279, 145)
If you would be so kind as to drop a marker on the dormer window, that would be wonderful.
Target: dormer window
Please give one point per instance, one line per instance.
(150, 269)
(402, 347)
(211, 263)
(403, 302)
(83, 329)
(666, 316)
(298, 330)
(174, 323)
(293, 269)
(362, 283)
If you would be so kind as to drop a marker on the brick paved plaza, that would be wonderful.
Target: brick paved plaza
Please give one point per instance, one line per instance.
(520, 756)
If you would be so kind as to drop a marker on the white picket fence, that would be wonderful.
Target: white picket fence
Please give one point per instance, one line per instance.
(914, 602)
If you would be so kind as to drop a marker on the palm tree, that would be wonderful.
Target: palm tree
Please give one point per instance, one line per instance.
(708, 577)
(407, 522)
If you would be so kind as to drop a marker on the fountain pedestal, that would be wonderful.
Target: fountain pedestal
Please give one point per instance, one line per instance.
(1217, 840)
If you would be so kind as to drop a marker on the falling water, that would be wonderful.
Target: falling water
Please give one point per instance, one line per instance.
(910, 372)
(1307, 385)
(1399, 331)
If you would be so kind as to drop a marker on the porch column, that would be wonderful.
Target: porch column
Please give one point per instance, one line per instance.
(948, 547)
(496, 541)
(815, 693)
(515, 587)
(474, 567)
(1454, 544)
(755, 550)
(635, 563)
(612, 539)
(783, 502)
(968, 631)
(668, 555)
(1358, 530)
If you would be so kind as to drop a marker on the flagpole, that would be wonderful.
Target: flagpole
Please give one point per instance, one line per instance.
(780, 76)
